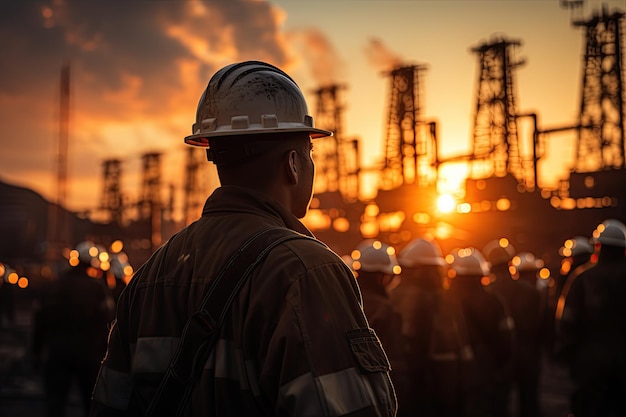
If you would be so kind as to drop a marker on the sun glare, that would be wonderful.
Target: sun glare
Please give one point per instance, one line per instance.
(446, 203)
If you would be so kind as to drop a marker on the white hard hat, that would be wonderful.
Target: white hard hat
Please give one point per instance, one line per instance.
(499, 251)
(91, 254)
(374, 256)
(526, 261)
(87, 250)
(469, 262)
(611, 232)
(120, 266)
(250, 98)
(578, 245)
(421, 252)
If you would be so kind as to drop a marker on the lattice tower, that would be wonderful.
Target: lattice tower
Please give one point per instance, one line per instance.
(150, 200)
(193, 197)
(336, 158)
(409, 147)
(495, 135)
(58, 232)
(112, 203)
(600, 143)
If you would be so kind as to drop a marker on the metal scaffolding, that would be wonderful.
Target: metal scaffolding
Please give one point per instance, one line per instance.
(410, 143)
(495, 133)
(600, 143)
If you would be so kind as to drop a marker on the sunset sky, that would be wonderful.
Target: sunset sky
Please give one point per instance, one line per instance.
(138, 69)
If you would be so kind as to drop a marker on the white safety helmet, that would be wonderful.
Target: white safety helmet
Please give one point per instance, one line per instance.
(469, 262)
(421, 252)
(250, 98)
(576, 246)
(85, 251)
(90, 254)
(499, 251)
(526, 261)
(611, 232)
(374, 256)
(120, 266)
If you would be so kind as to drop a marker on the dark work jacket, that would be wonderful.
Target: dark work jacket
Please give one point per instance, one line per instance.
(591, 329)
(295, 342)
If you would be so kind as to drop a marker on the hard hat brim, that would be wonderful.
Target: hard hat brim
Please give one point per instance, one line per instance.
(202, 139)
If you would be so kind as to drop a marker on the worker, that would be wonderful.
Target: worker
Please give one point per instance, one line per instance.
(529, 310)
(512, 293)
(378, 272)
(498, 253)
(486, 326)
(70, 329)
(417, 298)
(7, 297)
(576, 254)
(295, 340)
(119, 273)
(590, 332)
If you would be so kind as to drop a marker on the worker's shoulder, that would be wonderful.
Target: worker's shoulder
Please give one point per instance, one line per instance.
(306, 250)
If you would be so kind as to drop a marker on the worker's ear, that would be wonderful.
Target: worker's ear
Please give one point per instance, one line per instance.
(292, 167)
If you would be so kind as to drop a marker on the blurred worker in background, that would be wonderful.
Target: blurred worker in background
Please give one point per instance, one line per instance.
(70, 328)
(488, 329)
(377, 272)
(576, 255)
(416, 298)
(499, 253)
(528, 306)
(591, 330)
(295, 340)
(7, 304)
(120, 272)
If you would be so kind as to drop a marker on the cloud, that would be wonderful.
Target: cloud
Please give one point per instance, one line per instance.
(137, 71)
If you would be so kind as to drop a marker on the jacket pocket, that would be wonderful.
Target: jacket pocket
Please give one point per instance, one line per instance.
(367, 350)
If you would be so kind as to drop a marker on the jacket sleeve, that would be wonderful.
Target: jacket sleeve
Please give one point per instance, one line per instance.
(322, 357)
(113, 388)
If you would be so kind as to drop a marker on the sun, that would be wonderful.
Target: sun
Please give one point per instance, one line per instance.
(446, 203)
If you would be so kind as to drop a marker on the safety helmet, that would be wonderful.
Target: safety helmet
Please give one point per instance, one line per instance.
(90, 254)
(374, 256)
(576, 246)
(499, 251)
(469, 262)
(250, 98)
(120, 266)
(611, 232)
(421, 252)
(526, 261)
(85, 252)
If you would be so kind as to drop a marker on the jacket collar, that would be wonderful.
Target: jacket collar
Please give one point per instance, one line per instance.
(234, 199)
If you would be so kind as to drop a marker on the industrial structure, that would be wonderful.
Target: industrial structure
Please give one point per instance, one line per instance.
(502, 193)
(410, 142)
(495, 135)
(58, 230)
(336, 157)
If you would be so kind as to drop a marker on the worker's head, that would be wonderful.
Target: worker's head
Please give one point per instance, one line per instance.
(375, 261)
(254, 120)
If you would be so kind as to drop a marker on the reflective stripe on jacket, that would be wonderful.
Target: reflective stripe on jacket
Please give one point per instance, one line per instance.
(296, 341)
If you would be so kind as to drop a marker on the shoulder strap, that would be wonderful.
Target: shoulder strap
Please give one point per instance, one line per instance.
(202, 329)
